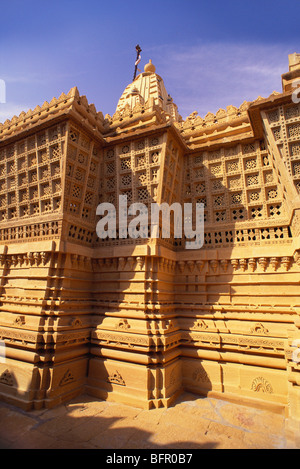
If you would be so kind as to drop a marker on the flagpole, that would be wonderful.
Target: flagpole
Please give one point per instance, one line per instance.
(138, 51)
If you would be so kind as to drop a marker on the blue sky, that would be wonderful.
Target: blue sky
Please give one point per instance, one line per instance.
(210, 54)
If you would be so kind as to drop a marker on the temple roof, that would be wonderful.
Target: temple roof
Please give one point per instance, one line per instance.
(71, 103)
(148, 85)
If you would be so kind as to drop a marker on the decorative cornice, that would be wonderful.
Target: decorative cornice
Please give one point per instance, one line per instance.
(257, 106)
(65, 104)
(225, 125)
(195, 123)
(194, 132)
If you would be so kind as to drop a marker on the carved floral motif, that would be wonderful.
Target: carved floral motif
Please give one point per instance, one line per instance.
(260, 384)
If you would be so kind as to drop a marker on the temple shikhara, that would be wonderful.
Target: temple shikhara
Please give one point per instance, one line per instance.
(140, 320)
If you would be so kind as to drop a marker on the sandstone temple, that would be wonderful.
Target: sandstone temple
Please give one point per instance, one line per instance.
(141, 320)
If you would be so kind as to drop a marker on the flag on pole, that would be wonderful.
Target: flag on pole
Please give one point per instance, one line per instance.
(138, 60)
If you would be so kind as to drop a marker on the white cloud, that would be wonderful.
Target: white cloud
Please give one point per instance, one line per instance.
(207, 77)
(30, 79)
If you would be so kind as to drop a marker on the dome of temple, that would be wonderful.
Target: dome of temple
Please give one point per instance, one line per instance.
(146, 86)
(149, 67)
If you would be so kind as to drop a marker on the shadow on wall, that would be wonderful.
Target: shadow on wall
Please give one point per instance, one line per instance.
(173, 295)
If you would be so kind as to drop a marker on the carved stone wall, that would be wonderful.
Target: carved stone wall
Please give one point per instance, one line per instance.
(140, 320)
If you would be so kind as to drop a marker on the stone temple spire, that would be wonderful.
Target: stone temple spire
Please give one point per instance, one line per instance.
(146, 86)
